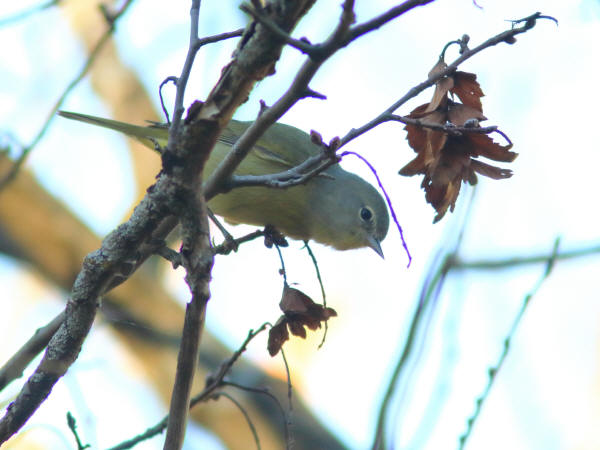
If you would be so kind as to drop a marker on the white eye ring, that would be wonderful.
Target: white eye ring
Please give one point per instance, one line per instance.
(366, 214)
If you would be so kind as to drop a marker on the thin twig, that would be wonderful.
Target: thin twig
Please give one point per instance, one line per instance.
(226, 234)
(516, 261)
(220, 178)
(289, 378)
(316, 266)
(18, 16)
(264, 391)
(181, 83)
(170, 255)
(217, 379)
(448, 129)
(295, 176)
(493, 371)
(213, 383)
(429, 293)
(300, 44)
(72, 424)
(227, 246)
(382, 19)
(197, 45)
(282, 271)
(316, 164)
(244, 412)
(14, 367)
(18, 163)
(201, 42)
(504, 37)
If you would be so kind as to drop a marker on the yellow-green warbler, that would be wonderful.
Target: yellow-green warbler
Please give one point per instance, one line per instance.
(335, 208)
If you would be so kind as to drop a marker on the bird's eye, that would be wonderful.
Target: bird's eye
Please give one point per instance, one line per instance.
(366, 214)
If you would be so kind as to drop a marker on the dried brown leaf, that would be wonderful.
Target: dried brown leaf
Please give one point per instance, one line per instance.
(484, 145)
(278, 334)
(299, 311)
(496, 173)
(445, 159)
(440, 95)
(458, 114)
(439, 66)
(467, 89)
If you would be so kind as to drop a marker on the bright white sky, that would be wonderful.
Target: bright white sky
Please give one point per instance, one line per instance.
(540, 91)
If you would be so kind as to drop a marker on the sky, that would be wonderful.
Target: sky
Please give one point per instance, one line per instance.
(540, 91)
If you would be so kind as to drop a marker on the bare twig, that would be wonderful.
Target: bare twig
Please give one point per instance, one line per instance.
(301, 44)
(295, 176)
(170, 255)
(266, 392)
(244, 412)
(227, 246)
(289, 378)
(220, 179)
(446, 128)
(391, 14)
(226, 234)
(72, 424)
(14, 367)
(18, 163)
(318, 53)
(507, 36)
(318, 272)
(429, 293)
(213, 383)
(185, 74)
(16, 17)
(282, 270)
(201, 42)
(507, 263)
(216, 380)
(154, 215)
(493, 371)
(318, 163)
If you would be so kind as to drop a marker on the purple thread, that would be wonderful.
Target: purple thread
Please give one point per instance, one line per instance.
(387, 199)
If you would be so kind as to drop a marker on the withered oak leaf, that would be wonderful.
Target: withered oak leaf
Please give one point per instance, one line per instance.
(445, 159)
(299, 311)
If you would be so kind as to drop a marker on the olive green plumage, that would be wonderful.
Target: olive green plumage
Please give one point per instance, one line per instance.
(335, 208)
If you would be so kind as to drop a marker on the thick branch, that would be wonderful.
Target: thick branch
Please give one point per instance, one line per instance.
(101, 268)
(298, 90)
(98, 270)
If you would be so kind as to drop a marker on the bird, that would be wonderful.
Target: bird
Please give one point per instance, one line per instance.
(336, 208)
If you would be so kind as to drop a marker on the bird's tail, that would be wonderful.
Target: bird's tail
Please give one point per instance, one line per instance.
(149, 136)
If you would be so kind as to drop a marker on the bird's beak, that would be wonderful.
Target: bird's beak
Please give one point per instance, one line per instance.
(374, 244)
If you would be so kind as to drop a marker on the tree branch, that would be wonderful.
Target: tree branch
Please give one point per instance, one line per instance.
(213, 383)
(101, 269)
(382, 19)
(16, 17)
(507, 36)
(14, 367)
(493, 371)
(18, 163)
